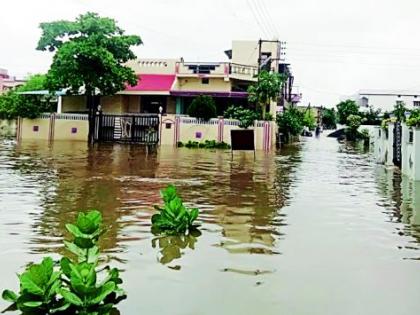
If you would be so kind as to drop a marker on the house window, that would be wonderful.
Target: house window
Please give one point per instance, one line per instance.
(399, 103)
(205, 81)
(416, 103)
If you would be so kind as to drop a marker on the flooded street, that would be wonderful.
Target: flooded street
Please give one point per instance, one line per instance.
(314, 229)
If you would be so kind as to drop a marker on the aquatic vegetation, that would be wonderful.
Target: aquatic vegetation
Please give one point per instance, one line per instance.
(207, 144)
(71, 286)
(173, 216)
(38, 289)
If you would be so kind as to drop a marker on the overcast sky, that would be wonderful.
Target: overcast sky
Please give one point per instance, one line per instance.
(335, 47)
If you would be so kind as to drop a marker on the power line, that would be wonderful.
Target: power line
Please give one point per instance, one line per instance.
(269, 19)
(262, 28)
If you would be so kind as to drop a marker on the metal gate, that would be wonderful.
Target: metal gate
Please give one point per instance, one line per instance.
(134, 128)
(397, 144)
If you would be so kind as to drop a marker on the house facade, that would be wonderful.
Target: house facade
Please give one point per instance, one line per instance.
(385, 100)
(154, 110)
(172, 84)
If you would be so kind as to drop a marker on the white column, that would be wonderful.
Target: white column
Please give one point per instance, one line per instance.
(59, 104)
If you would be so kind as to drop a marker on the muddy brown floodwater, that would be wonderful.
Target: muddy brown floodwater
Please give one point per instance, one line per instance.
(314, 229)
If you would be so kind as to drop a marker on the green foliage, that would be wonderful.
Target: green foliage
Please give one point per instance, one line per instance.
(265, 90)
(414, 119)
(207, 144)
(329, 118)
(13, 104)
(290, 122)
(353, 124)
(90, 52)
(268, 117)
(386, 121)
(72, 288)
(309, 119)
(173, 216)
(39, 286)
(202, 107)
(372, 116)
(36, 82)
(345, 109)
(245, 116)
(399, 111)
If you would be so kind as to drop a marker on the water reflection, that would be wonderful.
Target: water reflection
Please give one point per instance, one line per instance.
(238, 198)
(172, 247)
(401, 203)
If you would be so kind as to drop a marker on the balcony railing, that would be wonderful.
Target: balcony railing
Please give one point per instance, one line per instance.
(216, 69)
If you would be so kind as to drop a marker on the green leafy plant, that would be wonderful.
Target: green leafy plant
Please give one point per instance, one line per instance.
(266, 89)
(173, 216)
(245, 116)
(345, 109)
(386, 121)
(309, 119)
(329, 118)
(352, 130)
(290, 122)
(202, 107)
(207, 144)
(13, 104)
(372, 116)
(39, 286)
(73, 286)
(414, 119)
(399, 111)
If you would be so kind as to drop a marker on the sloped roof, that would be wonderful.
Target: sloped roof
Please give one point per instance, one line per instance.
(152, 82)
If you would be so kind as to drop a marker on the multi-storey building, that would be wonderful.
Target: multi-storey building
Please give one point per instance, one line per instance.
(7, 82)
(173, 83)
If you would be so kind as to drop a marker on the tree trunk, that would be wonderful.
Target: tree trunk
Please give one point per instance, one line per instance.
(264, 109)
(91, 116)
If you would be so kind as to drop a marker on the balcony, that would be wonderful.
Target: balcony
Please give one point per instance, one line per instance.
(216, 70)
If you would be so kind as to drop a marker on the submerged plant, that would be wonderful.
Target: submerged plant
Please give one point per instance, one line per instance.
(38, 289)
(73, 286)
(173, 216)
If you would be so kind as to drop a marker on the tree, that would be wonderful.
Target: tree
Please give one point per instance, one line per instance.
(309, 119)
(265, 90)
(345, 109)
(290, 122)
(329, 118)
(90, 53)
(35, 82)
(399, 111)
(202, 107)
(372, 116)
(13, 104)
(353, 124)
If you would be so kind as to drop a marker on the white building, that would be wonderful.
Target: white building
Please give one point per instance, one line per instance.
(386, 99)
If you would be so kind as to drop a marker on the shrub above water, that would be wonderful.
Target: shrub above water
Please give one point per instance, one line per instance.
(245, 116)
(173, 216)
(202, 107)
(73, 286)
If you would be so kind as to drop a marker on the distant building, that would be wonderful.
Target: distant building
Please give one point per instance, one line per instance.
(7, 82)
(386, 99)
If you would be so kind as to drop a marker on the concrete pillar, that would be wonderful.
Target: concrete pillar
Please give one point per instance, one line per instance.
(59, 104)
(416, 154)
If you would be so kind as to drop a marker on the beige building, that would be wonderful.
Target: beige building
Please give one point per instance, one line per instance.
(7, 82)
(173, 83)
